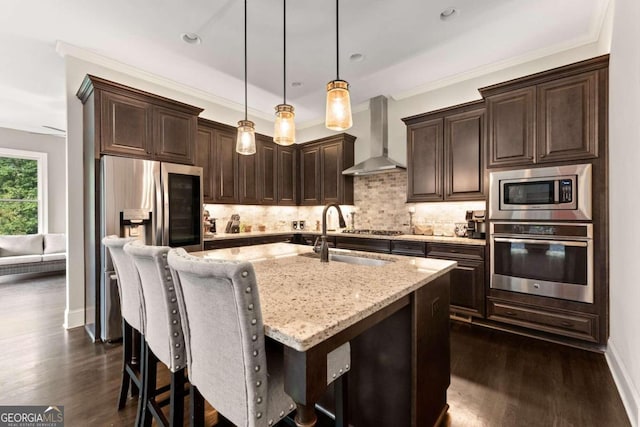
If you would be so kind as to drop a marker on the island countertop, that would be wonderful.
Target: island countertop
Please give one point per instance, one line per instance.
(304, 302)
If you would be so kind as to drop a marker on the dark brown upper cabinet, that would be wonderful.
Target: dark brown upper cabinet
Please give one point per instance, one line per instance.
(267, 177)
(133, 123)
(287, 175)
(321, 164)
(424, 161)
(445, 152)
(554, 116)
(225, 165)
(174, 135)
(267, 158)
(310, 175)
(204, 159)
(511, 118)
(249, 178)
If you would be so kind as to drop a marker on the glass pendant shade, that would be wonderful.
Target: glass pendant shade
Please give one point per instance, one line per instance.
(246, 140)
(338, 116)
(284, 132)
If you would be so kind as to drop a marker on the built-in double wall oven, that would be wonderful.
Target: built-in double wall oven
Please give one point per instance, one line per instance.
(541, 234)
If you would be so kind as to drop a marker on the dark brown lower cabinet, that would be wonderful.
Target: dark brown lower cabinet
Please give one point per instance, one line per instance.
(363, 244)
(245, 241)
(467, 280)
(582, 326)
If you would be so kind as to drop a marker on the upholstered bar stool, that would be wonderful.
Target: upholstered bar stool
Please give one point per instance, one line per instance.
(132, 319)
(163, 333)
(229, 364)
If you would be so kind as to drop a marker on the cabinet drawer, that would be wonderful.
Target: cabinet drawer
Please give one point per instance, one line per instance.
(263, 240)
(363, 244)
(447, 251)
(226, 243)
(400, 247)
(568, 323)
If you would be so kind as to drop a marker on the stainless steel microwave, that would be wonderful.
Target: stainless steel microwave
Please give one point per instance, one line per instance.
(551, 193)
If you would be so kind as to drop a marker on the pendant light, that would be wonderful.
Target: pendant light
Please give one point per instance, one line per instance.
(284, 132)
(338, 116)
(246, 140)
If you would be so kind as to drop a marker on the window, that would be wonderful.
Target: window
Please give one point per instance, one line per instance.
(22, 192)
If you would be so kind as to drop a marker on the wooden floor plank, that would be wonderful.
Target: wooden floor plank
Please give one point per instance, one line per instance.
(498, 379)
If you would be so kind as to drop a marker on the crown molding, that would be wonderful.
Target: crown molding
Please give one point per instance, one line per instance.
(66, 49)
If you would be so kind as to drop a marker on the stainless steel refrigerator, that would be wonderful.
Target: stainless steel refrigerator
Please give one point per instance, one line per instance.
(156, 202)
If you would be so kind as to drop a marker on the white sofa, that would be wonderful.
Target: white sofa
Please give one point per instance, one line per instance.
(33, 253)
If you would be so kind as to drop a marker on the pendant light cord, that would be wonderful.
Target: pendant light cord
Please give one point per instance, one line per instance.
(284, 50)
(245, 60)
(337, 42)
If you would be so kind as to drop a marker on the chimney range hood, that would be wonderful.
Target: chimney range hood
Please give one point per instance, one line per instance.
(379, 161)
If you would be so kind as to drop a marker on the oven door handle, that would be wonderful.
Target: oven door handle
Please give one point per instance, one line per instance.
(542, 241)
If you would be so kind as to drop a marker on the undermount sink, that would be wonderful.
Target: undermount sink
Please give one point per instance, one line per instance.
(352, 259)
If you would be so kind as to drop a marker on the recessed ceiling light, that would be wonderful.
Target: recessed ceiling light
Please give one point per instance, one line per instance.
(356, 57)
(448, 13)
(191, 38)
(296, 84)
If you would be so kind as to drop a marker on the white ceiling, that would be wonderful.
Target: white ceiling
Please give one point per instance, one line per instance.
(406, 46)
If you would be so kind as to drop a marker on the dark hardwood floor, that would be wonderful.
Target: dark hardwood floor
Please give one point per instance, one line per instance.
(498, 379)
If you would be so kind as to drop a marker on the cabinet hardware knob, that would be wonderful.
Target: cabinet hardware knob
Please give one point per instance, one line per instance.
(565, 323)
(511, 313)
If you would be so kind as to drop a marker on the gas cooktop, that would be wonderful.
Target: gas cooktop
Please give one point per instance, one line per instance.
(375, 232)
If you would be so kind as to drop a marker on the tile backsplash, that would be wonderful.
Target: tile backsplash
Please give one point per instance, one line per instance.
(380, 203)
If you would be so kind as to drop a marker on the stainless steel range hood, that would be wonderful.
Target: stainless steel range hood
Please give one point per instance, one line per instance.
(379, 161)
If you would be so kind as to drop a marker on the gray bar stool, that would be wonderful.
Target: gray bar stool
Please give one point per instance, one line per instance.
(163, 332)
(229, 363)
(132, 320)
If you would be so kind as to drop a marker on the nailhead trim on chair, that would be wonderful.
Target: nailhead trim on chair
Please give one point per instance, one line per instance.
(177, 327)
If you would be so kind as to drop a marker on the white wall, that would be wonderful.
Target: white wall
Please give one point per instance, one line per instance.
(623, 351)
(447, 96)
(75, 71)
(54, 146)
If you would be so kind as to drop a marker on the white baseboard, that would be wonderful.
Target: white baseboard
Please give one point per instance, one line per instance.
(628, 392)
(73, 318)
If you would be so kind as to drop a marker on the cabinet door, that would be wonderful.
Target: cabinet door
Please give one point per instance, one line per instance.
(204, 159)
(467, 279)
(248, 174)
(310, 175)
(174, 135)
(225, 167)
(268, 171)
(287, 175)
(567, 118)
(424, 155)
(511, 127)
(126, 126)
(467, 288)
(463, 156)
(331, 172)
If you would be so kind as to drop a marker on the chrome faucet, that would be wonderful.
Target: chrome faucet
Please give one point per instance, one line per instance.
(324, 246)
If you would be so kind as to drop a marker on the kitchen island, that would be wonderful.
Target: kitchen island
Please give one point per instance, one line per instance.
(394, 311)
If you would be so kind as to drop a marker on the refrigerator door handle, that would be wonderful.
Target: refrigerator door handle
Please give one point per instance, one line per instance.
(160, 213)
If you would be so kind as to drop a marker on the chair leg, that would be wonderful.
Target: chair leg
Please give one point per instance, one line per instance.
(341, 388)
(136, 358)
(196, 407)
(176, 402)
(143, 381)
(149, 386)
(126, 359)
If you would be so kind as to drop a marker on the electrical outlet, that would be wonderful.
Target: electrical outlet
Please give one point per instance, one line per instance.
(435, 307)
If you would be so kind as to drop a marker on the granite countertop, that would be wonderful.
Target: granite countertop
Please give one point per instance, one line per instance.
(405, 237)
(304, 302)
